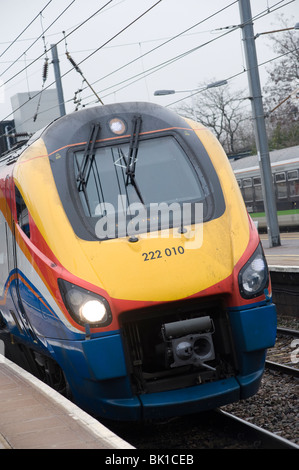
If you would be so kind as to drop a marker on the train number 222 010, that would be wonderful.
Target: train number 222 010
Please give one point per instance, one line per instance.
(160, 254)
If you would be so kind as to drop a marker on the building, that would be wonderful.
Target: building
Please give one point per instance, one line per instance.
(30, 114)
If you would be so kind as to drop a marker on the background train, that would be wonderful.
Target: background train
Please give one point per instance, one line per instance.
(285, 171)
(131, 315)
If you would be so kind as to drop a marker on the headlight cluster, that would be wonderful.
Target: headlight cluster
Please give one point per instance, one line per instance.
(85, 306)
(253, 277)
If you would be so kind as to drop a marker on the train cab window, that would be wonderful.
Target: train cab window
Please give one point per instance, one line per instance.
(281, 185)
(293, 182)
(247, 189)
(22, 213)
(163, 174)
(257, 185)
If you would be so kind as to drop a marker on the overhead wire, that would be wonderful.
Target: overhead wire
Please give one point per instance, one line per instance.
(113, 37)
(25, 29)
(120, 32)
(77, 68)
(103, 45)
(56, 19)
(58, 42)
(130, 24)
(236, 75)
(170, 61)
(167, 41)
(45, 71)
(158, 67)
(57, 33)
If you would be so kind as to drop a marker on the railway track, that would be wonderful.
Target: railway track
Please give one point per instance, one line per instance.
(283, 357)
(208, 430)
(257, 437)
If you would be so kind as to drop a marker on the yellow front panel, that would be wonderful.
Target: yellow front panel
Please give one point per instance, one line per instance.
(120, 267)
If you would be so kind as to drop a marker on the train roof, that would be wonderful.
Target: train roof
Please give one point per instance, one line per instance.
(282, 155)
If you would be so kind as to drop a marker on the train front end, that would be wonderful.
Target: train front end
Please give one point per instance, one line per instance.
(156, 298)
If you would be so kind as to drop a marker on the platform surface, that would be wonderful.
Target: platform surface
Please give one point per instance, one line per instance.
(286, 255)
(34, 416)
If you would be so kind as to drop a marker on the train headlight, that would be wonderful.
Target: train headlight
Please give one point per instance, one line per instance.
(94, 311)
(253, 277)
(85, 306)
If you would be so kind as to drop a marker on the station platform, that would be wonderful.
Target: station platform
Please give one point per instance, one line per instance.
(34, 416)
(284, 257)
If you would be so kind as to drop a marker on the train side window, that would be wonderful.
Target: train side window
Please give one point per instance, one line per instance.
(248, 189)
(292, 175)
(257, 184)
(293, 181)
(22, 213)
(281, 185)
(3, 255)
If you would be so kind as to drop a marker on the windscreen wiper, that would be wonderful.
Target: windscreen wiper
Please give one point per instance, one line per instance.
(86, 164)
(88, 157)
(132, 157)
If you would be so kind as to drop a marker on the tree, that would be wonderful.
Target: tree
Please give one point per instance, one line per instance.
(222, 110)
(281, 93)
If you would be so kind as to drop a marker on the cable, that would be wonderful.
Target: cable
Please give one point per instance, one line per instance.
(77, 68)
(153, 69)
(35, 42)
(167, 62)
(45, 72)
(139, 57)
(77, 27)
(182, 99)
(121, 31)
(58, 33)
(170, 61)
(239, 73)
(166, 42)
(25, 29)
(126, 27)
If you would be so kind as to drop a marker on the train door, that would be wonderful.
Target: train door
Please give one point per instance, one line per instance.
(18, 311)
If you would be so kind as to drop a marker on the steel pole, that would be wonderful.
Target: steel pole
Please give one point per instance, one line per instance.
(59, 89)
(259, 123)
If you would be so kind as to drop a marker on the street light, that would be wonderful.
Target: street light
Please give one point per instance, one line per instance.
(216, 84)
(167, 92)
(277, 30)
(194, 92)
(172, 92)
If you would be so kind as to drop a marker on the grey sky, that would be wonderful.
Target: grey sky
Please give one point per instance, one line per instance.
(218, 57)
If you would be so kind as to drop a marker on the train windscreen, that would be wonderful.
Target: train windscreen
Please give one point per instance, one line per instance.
(116, 183)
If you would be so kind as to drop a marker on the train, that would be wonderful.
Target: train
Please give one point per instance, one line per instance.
(132, 279)
(285, 174)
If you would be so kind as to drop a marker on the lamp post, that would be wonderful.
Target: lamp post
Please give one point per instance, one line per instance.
(259, 123)
(193, 92)
(296, 26)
